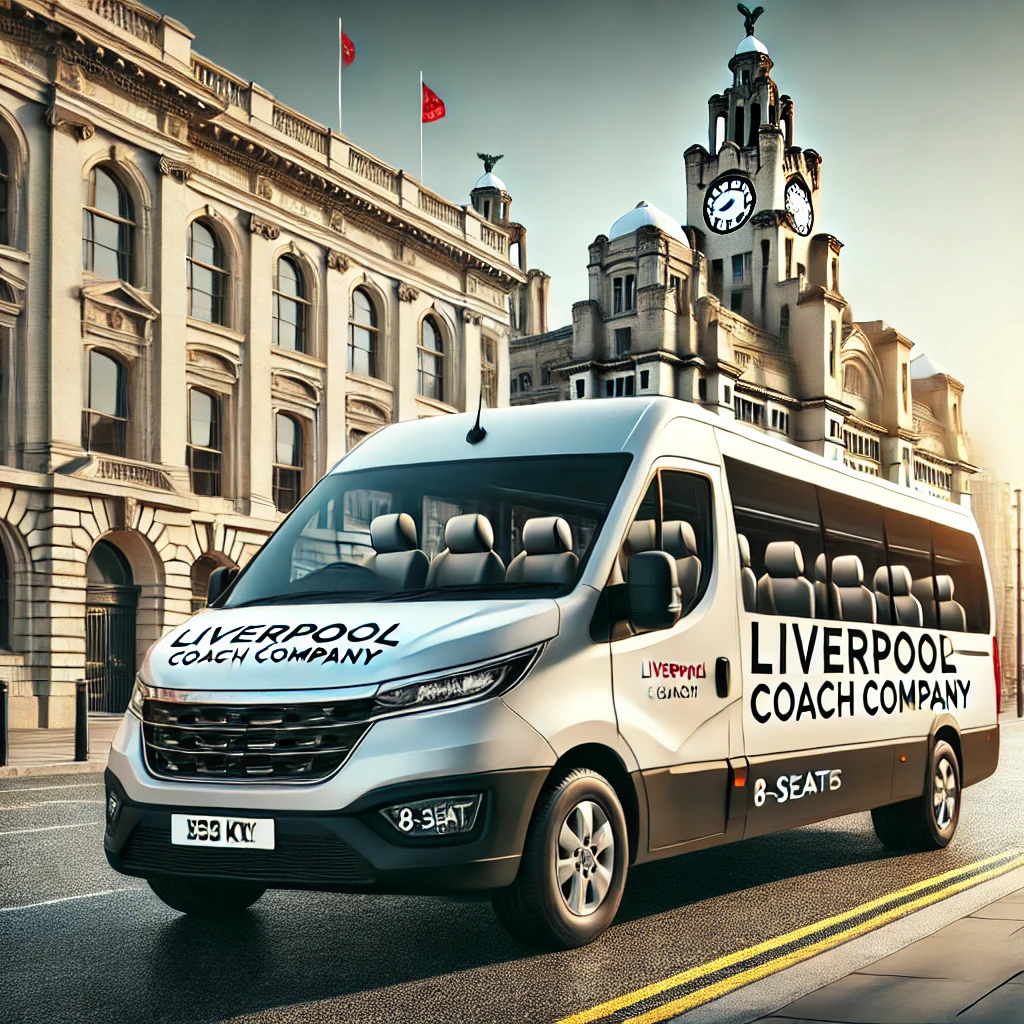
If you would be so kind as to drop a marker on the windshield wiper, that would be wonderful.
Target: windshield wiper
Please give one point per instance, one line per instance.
(310, 595)
(467, 588)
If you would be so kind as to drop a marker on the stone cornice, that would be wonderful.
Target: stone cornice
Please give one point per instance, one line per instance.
(70, 124)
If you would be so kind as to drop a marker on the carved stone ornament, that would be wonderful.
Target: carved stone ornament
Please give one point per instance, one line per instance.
(338, 260)
(337, 222)
(176, 169)
(176, 127)
(259, 226)
(77, 127)
(69, 75)
(469, 317)
(407, 294)
(263, 187)
(115, 318)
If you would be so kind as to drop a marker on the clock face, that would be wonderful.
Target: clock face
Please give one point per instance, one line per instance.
(728, 203)
(798, 206)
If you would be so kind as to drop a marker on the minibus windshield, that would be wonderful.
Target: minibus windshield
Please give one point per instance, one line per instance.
(469, 529)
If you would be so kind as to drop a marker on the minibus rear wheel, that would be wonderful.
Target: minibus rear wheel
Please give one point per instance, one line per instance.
(573, 868)
(205, 899)
(927, 822)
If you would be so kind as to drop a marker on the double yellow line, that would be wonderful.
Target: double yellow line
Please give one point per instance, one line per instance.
(949, 883)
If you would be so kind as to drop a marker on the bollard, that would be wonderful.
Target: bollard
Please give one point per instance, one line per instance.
(81, 720)
(3, 724)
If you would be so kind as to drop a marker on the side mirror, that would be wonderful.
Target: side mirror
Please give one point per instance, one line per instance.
(220, 583)
(654, 596)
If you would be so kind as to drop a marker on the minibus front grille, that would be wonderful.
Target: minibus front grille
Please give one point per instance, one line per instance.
(251, 743)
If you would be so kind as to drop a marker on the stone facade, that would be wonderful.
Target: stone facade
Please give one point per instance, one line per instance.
(204, 270)
(742, 310)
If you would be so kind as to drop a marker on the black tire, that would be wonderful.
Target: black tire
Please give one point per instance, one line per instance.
(536, 908)
(927, 822)
(205, 899)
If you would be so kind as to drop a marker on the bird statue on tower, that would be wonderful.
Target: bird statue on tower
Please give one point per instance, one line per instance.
(489, 161)
(749, 16)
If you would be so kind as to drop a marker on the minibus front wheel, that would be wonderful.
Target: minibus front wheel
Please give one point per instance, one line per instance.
(205, 899)
(573, 868)
(927, 822)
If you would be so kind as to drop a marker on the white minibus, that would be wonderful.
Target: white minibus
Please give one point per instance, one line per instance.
(520, 659)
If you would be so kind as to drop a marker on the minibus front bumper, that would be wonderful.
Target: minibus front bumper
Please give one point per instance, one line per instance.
(354, 850)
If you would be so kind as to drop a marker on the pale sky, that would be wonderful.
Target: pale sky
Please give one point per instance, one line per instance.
(911, 104)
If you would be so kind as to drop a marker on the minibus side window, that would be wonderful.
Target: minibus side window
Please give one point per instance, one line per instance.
(686, 532)
(855, 552)
(905, 594)
(961, 591)
(778, 521)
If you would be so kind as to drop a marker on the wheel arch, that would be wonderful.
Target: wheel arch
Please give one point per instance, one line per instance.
(945, 728)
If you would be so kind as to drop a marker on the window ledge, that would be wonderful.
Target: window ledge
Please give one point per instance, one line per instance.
(299, 357)
(376, 382)
(216, 329)
(435, 405)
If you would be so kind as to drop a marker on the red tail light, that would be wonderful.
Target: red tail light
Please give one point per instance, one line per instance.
(998, 674)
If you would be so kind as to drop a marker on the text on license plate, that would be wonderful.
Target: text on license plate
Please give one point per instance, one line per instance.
(204, 830)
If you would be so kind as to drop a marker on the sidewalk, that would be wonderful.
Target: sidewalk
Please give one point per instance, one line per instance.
(31, 750)
(971, 971)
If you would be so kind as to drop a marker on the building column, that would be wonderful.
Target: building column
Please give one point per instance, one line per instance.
(257, 412)
(336, 387)
(405, 345)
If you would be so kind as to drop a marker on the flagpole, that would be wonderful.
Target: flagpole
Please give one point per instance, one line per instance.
(340, 55)
(421, 127)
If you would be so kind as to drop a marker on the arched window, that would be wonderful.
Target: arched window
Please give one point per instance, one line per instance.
(287, 462)
(205, 442)
(525, 382)
(362, 336)
(853, 380)
(488, 371)
(108, 225)
(207, 274)
(105, 417)
(430, 361)
(291, 307)
(4, 239)
(202, 567)
(5, 601)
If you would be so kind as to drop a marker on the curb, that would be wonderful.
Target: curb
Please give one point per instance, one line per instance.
(68, 768)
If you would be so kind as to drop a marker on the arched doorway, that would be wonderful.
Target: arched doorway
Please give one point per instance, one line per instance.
(111, 601)
(202, 568)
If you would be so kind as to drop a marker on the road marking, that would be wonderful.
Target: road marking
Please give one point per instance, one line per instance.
(1009, 860)
(36, 789)
(48, 828)
(63, 899)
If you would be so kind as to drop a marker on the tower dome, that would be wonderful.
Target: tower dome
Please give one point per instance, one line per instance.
(645, 214)
(490, 180)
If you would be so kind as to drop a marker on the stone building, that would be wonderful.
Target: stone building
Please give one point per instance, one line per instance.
(743, 310)
(205, 300)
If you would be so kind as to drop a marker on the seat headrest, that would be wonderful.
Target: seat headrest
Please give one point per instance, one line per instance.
(468, 534)
(678, 538)
(640, 537)
(944, 588)
(547, 535)
(783, 558)
(901, 580)
(847, 571)
(395, 532)
(744, 550)
(820, 568)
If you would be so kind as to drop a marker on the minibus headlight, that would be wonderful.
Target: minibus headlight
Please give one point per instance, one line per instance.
(139, 693)
(471, 683)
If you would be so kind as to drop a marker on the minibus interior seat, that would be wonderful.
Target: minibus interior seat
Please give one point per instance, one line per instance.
(783, 590)
(924, 590)
(821, 604)
(679, 540)
(908, 608)
(469, 556)
(547, 555)
(952, 615)
(748, 581)
(398, 562)
(856, 602)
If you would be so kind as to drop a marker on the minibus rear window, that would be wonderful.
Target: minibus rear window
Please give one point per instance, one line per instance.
(481, 528)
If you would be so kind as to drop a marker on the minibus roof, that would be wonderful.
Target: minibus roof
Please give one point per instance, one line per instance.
(572, 427)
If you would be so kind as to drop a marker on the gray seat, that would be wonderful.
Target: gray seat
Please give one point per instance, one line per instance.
(908, 608)
(640, 537)
(856, 602)
(547, 555)
(783, 590)
(679, 540)
(748, 581)
(940, 610)
(469, 556)
(821, 605)
(398, 562)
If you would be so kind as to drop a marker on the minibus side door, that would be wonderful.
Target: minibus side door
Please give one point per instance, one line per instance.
(677, 689)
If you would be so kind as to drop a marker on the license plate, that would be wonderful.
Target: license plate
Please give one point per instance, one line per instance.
(227, 833)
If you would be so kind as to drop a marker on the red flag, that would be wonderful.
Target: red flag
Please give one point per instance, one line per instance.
(348, 50)
(433, 105)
